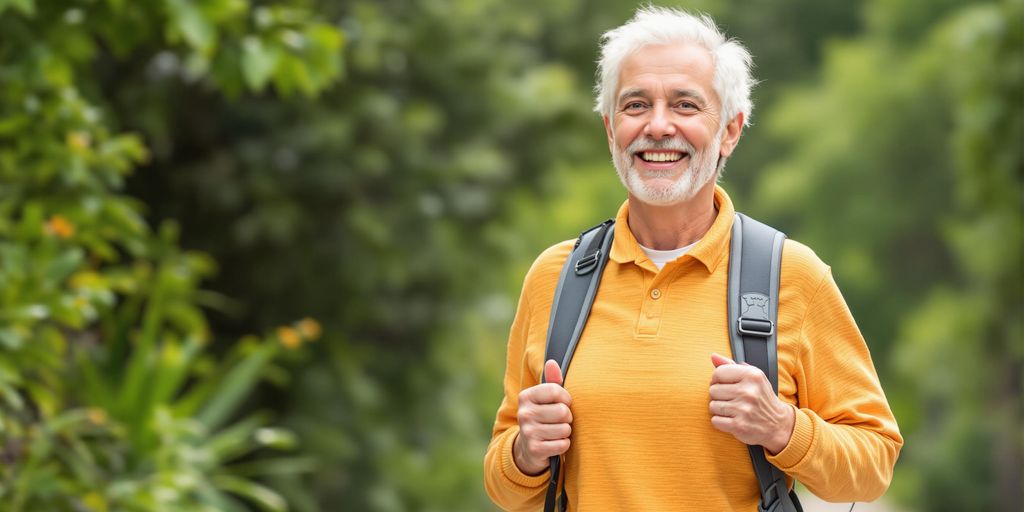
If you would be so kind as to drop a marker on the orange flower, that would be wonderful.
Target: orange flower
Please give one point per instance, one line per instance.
(309, 328)
(60, 227)
(289, 337)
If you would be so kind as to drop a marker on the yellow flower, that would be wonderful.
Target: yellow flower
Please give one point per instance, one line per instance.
(309, 328)
(95, 502)
(96, 415)
(60, 227)
(86, 279)
(78, 141)
(289, 337)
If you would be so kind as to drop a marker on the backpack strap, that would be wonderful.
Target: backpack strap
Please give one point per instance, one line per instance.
(574, 296)
(753, 296)
(755, 260)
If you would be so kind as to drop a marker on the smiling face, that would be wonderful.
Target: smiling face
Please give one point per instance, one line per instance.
(666, 136)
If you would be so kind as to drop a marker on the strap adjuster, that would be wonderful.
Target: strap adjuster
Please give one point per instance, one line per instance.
(774, 496)
(588, 263)
(755, 327)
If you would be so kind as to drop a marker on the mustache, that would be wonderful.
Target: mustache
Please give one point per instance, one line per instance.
(644, 144)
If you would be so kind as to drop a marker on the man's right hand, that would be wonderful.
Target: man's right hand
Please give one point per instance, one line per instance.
(544, 422)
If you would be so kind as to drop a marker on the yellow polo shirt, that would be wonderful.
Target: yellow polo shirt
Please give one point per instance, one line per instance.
(642, 437)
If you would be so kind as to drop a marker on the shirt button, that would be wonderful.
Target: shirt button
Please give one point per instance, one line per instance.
(655, 294)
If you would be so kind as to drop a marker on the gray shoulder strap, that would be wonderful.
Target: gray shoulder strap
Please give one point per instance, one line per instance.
(755, 261)
(574, 296)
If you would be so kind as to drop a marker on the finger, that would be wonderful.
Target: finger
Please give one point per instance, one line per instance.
(549, 448)
(546, 394)
(723, 391)
(733, 373)
(553, 413)
(718, 360)
(721, 408)
(552, 373)
(727, 374)
(723, 423)
(552, 432)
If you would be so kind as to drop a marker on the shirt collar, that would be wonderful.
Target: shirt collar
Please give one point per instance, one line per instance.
(709, 251)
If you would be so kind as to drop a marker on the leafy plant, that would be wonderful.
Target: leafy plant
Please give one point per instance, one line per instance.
(111, 397)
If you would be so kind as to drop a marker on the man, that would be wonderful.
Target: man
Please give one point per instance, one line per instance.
(653, 416)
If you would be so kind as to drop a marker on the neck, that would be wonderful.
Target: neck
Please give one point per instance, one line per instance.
(670, 227)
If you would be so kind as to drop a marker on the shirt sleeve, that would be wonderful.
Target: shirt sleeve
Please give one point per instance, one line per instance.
(845, 440)
(508, 487)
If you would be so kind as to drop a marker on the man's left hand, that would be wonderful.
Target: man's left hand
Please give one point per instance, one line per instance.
(744, 405)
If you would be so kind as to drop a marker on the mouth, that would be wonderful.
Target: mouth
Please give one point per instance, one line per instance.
(661, 156)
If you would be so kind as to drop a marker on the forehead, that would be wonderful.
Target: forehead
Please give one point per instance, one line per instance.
(668, 66)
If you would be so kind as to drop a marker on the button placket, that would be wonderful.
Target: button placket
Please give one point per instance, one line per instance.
(650, 314)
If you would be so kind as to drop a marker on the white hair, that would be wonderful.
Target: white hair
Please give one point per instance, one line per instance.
(662, 26)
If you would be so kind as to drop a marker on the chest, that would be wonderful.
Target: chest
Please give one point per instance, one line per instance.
(649, 338)
(647, 344)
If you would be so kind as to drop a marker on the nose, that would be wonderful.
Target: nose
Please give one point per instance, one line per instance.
(659, 125)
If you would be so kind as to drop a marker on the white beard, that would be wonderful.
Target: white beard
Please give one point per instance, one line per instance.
(702, 167)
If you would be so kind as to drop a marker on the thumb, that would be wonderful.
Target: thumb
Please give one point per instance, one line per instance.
(552, 373)
(718, 360)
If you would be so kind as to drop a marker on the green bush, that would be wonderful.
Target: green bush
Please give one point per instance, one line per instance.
(110, 396)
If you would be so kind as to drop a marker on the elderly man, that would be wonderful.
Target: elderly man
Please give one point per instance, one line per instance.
(652, 416)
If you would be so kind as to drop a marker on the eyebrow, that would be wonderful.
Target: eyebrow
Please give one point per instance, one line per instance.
(690, 93)
(676, 93)
(629, 93)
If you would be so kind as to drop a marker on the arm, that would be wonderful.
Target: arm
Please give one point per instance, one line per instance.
(845, 439)
(506, 484)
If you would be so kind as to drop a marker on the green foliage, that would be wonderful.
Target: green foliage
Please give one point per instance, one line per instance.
(403, 205)
(368, 209)
(984, 303)
(110, 397)
(911, 143)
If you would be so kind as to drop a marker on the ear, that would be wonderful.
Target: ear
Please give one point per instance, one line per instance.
(608, 131)
(731, 137)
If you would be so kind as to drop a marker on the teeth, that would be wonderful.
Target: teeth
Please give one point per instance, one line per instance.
(652, 156)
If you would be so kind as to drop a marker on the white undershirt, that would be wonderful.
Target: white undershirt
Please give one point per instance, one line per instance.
(660, 258)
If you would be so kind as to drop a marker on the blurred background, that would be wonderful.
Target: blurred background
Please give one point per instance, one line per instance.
(264, 255)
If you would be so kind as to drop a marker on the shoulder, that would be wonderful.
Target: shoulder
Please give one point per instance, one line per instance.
(802, 269)
(542, 278)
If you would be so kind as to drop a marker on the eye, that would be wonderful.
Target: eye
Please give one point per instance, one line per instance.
(687, 105)
(634, 106)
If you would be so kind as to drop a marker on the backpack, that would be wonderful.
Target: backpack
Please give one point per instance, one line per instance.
(754, 264)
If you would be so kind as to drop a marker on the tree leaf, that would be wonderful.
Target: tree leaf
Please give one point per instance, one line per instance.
(267, 499)
(26, 7)
(191, 24)
(258, 62)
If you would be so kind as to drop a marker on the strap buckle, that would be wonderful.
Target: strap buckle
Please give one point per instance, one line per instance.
(775, 498)
(588, 263)
(755, 327)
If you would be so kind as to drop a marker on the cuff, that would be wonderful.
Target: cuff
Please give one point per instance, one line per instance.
(799, 444)
(508, 464)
